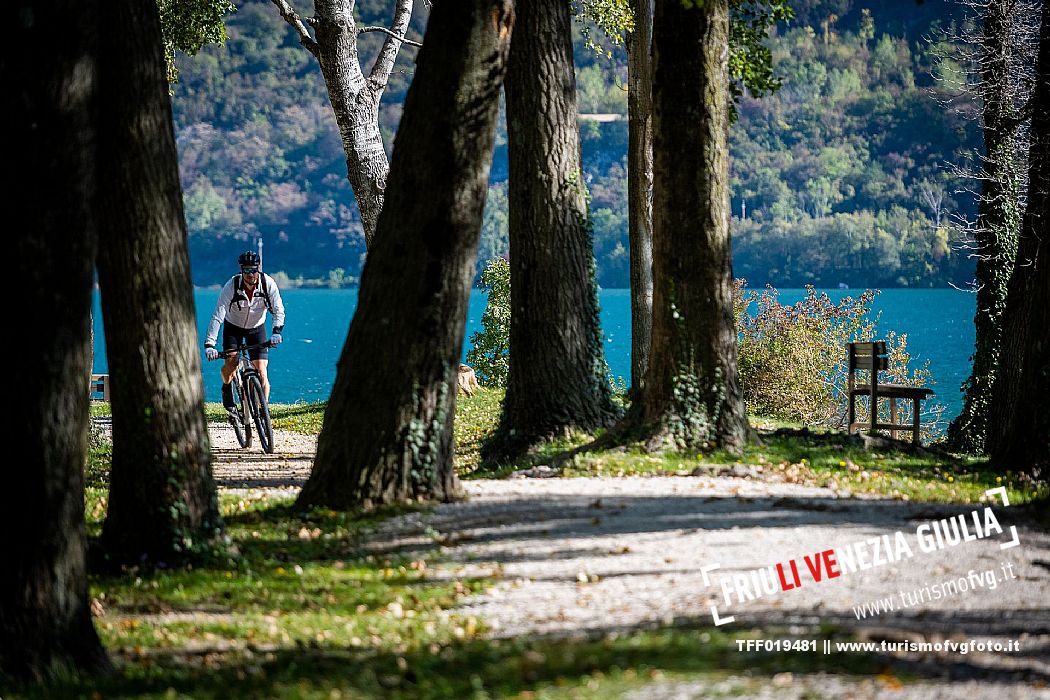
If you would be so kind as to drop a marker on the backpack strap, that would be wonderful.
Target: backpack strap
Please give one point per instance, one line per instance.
(236, 279)
(263, 290)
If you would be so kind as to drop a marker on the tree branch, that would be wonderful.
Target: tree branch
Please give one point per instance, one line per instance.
(385, 60)
(402, 39)
(292, 17)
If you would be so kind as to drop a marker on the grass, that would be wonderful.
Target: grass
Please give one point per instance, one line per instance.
(602, 667)
(831, 462)
(819, 458)
(293, 579)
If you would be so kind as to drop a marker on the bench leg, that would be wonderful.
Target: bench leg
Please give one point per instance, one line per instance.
(915, 421)
(852, 414)
(893, 417)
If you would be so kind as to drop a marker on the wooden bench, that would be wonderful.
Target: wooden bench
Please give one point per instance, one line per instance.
(99, 384)
(872, 357)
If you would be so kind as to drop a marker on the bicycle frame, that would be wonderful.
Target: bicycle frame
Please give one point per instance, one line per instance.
(248, 393)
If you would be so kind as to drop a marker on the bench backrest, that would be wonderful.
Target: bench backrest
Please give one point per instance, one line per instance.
(868, 356)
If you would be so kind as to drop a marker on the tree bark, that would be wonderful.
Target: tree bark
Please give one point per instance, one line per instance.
(387, 433)
(48, 72)
(557, 380)
(162, 498)
(692, 396)
(1019, 423)
(640, 186)
(998, 225)
(355, 99)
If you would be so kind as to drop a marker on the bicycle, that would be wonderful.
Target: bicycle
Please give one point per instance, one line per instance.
(250, 399)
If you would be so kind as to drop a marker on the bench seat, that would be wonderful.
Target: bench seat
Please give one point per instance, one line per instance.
(897, 391)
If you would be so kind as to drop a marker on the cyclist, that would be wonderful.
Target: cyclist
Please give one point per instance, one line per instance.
(241, 311)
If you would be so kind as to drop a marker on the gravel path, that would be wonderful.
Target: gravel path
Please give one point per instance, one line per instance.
(598, 555)
(237, 467)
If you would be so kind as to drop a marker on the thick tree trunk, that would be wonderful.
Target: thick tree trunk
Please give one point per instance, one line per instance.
(48, 72)
(162, 495)
(640, 186)
(557, 373)
(998, 227)
(387, 431)
(692, 396)
(1019, 423)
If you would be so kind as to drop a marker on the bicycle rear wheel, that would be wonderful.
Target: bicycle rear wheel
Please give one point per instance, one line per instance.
(261, 414)
(241, 428)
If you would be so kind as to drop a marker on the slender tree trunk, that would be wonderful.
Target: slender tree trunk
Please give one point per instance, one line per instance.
(1019, 425)
(692, 396)
(557, 373)
(356, 107)
(355, 98)
(162, 495)
(387, 431)
(998, 227)
(48, 71)
(640, 186)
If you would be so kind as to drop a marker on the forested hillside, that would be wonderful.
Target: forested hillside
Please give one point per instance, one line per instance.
(840, 177)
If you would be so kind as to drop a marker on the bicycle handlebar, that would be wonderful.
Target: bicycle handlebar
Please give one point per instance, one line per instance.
(244, 348)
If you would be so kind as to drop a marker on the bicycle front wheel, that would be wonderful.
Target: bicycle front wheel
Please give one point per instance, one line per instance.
(261, 414)
(241, 429)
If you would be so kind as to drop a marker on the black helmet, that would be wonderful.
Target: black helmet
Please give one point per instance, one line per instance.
(248, 258)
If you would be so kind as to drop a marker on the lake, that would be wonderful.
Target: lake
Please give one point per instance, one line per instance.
(939, 324)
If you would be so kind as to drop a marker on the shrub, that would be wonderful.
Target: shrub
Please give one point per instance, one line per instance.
(793, 358)
(99, 457)
(490, 354)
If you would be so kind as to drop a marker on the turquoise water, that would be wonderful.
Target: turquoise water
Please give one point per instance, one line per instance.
(939, 324)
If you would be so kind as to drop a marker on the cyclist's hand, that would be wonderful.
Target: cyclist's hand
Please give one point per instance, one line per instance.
(211, 353)
(276, 339)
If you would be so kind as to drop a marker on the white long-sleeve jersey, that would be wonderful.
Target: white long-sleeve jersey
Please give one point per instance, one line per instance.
(234, 306)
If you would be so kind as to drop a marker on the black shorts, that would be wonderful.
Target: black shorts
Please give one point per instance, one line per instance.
(234, 337)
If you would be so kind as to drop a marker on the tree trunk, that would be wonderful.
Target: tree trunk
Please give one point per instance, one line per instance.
(387, 431)
(998, 226)
(1019, 425)
(355, 98)
(48, 71)
(640, 186)
(162, 496)
(356, 108)
(692, 396)
(557, 380)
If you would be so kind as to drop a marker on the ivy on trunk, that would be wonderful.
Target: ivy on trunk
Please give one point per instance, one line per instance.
(1019, 423)
(999, 211)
